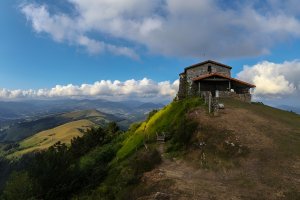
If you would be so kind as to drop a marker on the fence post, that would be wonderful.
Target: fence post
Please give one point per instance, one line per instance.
(209, 103)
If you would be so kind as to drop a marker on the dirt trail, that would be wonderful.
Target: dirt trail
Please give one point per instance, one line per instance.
(178, 180)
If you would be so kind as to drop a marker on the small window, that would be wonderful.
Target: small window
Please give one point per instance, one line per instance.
(209, 69)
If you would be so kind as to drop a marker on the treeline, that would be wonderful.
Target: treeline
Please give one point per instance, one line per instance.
(63, 171)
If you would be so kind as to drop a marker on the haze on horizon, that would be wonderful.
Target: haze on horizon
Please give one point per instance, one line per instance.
(135, 49)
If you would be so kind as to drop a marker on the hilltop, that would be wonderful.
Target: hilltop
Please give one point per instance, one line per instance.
(210, 168)
(247, 151)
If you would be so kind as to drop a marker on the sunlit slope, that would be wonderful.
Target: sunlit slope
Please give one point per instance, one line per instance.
(21, 131)
(45, 139)
(162, 121)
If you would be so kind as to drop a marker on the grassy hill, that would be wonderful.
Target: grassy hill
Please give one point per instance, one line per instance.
(43, 140)
(20, 131)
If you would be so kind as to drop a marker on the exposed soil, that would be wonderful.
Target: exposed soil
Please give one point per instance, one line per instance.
(266, 173)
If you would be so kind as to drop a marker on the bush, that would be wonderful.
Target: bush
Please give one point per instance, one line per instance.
(150, 114)
(145, 160)
(131, 172)
(20, 186)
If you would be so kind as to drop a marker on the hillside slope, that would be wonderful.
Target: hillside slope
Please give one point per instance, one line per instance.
(20, 131)
(43, 140)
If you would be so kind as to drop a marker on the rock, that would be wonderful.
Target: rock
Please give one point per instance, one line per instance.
(161, 196)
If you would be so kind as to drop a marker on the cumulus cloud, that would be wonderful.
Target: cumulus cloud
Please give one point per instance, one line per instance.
(145, 89)
(274, 80)
(187, 28)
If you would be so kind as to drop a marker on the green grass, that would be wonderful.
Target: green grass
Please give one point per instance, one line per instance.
(45, 139)
(163, 120)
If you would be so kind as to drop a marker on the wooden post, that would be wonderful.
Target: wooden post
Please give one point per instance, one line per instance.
(199, 88)
(209, 103)
(229, 85)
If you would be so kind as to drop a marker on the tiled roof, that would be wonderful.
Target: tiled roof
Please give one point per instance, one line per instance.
(222, 76)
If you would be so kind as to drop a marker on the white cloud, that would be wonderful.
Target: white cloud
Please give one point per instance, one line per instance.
(146, 89)
(274, 80)
(62, 27)
(171, 27)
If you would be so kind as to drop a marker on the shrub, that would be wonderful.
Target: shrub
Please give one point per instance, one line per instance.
(150, 114)
(145, 160)
(20, 186)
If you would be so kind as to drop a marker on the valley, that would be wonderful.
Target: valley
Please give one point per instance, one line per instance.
(31, 118)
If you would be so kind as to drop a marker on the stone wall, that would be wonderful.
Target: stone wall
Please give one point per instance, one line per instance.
(226, 94)
(182, 91)
(203, 69)
(242, 97)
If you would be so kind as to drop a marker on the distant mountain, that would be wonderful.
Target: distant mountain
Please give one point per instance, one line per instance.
(20, 130)
(150, 106)
(14, 110)
(37, 108)
(290, 108)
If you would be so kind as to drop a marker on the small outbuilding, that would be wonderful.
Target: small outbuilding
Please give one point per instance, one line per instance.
(210, 77)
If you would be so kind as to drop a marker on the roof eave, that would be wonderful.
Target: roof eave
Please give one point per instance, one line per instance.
(229, 78)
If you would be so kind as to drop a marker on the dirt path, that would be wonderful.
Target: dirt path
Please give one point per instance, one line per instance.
(178, 180)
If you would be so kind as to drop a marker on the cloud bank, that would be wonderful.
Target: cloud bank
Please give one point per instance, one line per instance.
(278, 83)
(145, 89)
(274, 81)
(190, 28)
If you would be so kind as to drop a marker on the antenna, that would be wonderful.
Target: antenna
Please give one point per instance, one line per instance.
(203, 54)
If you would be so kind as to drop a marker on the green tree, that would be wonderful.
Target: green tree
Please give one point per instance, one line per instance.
(20, 186)
(112, 128)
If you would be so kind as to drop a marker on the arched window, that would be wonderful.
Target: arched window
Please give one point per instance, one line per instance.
(209, 69)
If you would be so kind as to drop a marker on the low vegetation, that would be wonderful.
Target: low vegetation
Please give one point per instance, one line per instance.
(63, 171)
(167, 121)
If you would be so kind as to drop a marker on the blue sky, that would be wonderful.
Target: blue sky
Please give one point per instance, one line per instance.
(30, 60)
(48, 43)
